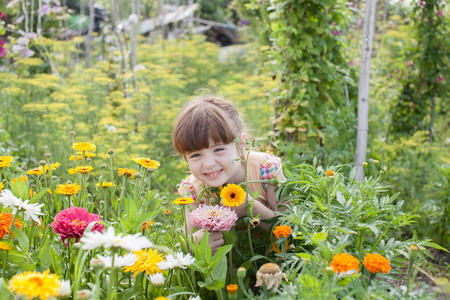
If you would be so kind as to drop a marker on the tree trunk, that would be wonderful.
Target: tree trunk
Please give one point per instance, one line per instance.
(89, 36)
(363, 93)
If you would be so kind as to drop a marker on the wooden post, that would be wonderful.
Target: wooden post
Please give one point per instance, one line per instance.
(363, 93)
(87, 58)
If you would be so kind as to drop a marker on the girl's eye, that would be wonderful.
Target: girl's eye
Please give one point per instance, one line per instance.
(219, 149)
(194, 155)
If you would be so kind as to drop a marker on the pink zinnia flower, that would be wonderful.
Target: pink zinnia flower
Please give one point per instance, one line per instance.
(409, 63)
(71, 223)
(214, 218)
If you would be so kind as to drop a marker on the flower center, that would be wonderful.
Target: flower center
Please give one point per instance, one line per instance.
(38, 281)
(233, 195)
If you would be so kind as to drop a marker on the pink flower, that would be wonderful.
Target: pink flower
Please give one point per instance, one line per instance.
(440, 78)
(409, 63)
(439, 13)
(214, 218)
(71, 223)
(422, 3)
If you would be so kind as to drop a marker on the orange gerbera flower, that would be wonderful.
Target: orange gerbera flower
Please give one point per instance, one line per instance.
(127, 172)
(5, 223)
(375, 263)
(147, 162)
(282, 230)
(344, 262)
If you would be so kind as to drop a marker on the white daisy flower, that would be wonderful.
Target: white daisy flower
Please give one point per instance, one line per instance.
(119, 261)
(179, 260)
(195, 298)
(64, 290)
(157, 279)
(108, 239)
(32, 210)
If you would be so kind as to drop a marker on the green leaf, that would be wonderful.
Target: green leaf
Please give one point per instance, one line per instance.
(38, 196)
(319, 237)
(22, 238)
(20, 190)
(46, 259)
(211, 284)
(221, 252)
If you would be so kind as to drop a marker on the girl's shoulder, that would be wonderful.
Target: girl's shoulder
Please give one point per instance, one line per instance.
(268, 164)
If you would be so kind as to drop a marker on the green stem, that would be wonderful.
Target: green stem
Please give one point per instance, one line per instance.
(5, 262)
(112, 278)
(98, 273)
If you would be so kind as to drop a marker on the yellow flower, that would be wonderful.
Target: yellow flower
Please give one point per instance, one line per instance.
(147, 261)
(185, 200)
(146, 225)
(5, 247)
(54, 166)
(127, 172)
(33, 284)
(32, 194)
(14, 180)
(147, 162)
(161, 298)
(68, 189)
(105, 184)
(24, 178)
(344, 262)
(375, 263)
(232, 195)
(282, 230)
(72, 171)
(232, 288)
(330, 173)
(36, 171)
(167, 211)
(83, 169)
(278, 250)
(1, 186)
(80, 155)
(83, 147)
(5, 161)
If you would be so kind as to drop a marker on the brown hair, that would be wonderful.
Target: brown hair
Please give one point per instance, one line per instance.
(203, 118)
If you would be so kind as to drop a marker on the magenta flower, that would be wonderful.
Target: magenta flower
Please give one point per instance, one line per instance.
(440, 78)
(439, 13)
(409, 63)
(214, 218)
(71, 223)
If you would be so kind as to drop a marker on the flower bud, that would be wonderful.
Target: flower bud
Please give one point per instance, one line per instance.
(97, 264)
(72, 133)
(413, 252)
(24, 168)
(77, 245)
(110, 151)
(88, 159)
(157, 279)
(241, 272)
(137, 175)
(42, 162)
(103, 166)
(84, 294)
(376, 162)
(158, 224)
(365, 164)
(54, 177)
(47, 155)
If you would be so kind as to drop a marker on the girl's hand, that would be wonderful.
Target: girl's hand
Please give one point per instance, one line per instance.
(240, 210)
(215, 239)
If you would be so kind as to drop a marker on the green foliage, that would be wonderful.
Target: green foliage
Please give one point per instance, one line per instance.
(428, 62)
(307, 55)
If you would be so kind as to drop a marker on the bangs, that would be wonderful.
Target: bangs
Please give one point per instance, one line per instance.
(196, 126)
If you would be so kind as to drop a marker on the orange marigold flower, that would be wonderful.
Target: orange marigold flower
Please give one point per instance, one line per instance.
(329, 173)
(375, 263)
(36, 171)
(83, 169)
(5, 223)
(146, 225)
(83, 147)
(232, 288)
(278, 250)
(127, 172)
(282, 230)
(5, 161)
(344, 262)
(32, 194)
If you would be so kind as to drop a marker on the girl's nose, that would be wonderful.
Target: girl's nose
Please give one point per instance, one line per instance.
(209, 162)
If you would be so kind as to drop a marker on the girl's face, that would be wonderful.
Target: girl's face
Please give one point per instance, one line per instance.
(217, 165)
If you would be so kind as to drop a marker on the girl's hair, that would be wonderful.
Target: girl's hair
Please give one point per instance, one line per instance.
(204, 118)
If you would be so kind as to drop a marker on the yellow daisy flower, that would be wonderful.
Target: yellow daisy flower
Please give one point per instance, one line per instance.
(146, 262)
(83, 169)
(183, 201)
(147, 163)
(5, 161)
(68, 189)
(83, 147)
(127, 172)
(105, 184)
(35, 171)
(1, 186)
(72, 171)
(232, 195)
(5, 247)
(33, 284)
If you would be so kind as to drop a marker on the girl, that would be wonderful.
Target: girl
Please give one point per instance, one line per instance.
(204, 135)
